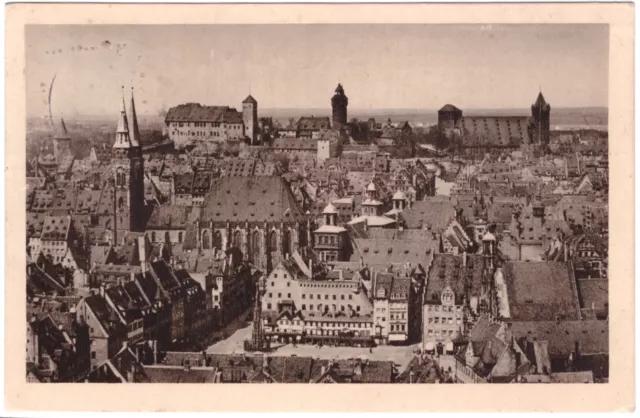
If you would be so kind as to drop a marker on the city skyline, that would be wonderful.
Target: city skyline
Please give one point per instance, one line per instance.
(98, 60)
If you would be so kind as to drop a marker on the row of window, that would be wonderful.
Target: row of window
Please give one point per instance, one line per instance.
(436, 308)
(326, 324)
(195, 124)
(328, 256)
(449, 320)
(398, 316)
(398, 327)
(327, 239)
(439, 332)
(323, 308)
(166, 236)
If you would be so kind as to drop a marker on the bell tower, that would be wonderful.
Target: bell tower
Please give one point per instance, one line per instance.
(339, 103)
(541, 114)
(128, 169)
(250, 118)
(61, 143)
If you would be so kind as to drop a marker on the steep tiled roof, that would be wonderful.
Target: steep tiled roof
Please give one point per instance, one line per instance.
(300, 144)
(251, 199)
(497, 130)
(540, 291)
(195, 112)
(56, 228)
(448, 270)
(311, 123)
(425, 214)
(390, 251)
(593, 336)
(178, 374)
(169, 217)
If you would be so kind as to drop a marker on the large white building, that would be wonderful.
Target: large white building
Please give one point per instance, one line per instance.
(192, 123)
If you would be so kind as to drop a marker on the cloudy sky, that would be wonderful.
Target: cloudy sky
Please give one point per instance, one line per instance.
(299, 66)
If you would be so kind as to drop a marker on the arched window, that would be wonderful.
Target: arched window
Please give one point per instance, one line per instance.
(206, 240)
(273, 241)
(167, 238)
(302, 236)
(153, 236)
(237, 239)
(256, 245)
(286, 244)
(120, 202)
(180, 236)
(217, 240)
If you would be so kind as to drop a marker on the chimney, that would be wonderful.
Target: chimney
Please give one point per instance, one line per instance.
(464, 259)
(311, 266)
(265, 361)
(130, 378)
(102, 290)
(411, 376)
(323, 370)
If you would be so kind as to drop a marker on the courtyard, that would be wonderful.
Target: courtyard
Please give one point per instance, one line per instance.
(400, 355)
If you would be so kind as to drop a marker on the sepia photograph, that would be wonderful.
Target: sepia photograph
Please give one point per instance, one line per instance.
(356, 203)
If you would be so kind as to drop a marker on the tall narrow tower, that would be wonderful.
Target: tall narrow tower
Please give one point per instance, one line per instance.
(61, 142)
(250, 118)
(541, 111)
(128, 168)
(339, 103)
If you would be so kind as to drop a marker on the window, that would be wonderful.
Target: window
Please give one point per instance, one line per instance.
(358, 308)
(272, 284)
(436, 320)
(279, 295)
(304, 307)
(326, 297)
(270, 294)
(304, 296)
(268, 306)
(93, 354)
(350, 297)
(289, 295)
(288, 283)
(334, 297)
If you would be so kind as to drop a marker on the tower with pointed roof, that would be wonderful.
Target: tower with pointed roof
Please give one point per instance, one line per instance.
(540, 112)
(250, 118)
(128, 170)
(339, 103)
(61, 142)
(331, 239)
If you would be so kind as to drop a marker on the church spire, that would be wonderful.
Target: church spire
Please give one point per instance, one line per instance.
(122, 133)
(135, 132)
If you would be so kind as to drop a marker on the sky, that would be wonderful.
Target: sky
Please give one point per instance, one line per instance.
(299, 66)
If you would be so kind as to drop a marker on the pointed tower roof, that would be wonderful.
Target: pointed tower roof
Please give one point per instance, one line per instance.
(371, 187)
(339, 89)
(250, 99)
(62, 132)
(135, 132)
(122, 133)
(540, 101)
(123, 123)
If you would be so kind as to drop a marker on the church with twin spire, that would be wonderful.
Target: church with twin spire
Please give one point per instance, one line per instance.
(128, 172)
